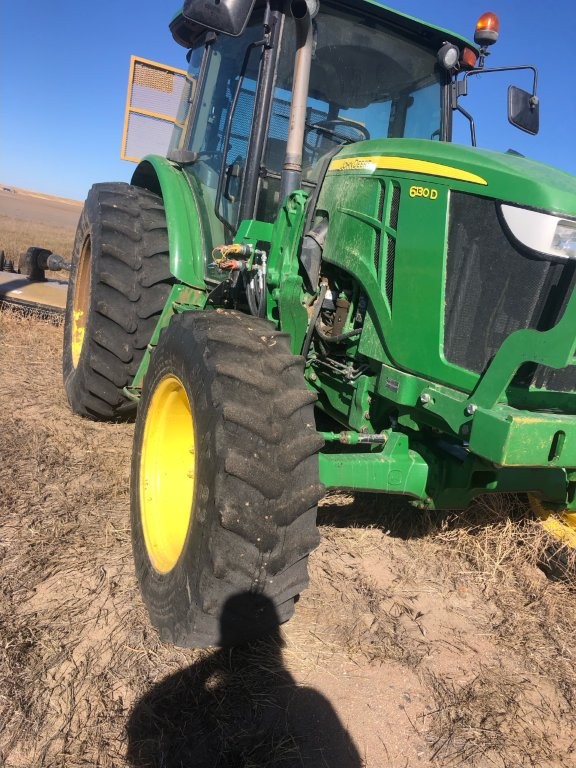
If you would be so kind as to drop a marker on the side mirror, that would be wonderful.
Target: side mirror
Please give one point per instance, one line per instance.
(227, 16)
(523, 110)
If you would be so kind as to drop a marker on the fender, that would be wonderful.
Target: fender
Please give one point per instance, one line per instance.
(185, 236)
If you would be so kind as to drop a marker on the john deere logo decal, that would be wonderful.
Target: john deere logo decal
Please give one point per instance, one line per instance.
(406, 164)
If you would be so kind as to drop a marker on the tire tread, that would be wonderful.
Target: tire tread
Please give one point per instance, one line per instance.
(130, 283)
(262, 523)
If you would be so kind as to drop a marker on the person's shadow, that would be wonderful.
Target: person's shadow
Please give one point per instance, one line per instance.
(238, 708)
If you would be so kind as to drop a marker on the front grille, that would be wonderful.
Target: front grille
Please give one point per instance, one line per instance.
(391, 247)
(378, 238)
(494, 287)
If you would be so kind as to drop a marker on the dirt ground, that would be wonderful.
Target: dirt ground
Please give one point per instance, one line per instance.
(423, 640)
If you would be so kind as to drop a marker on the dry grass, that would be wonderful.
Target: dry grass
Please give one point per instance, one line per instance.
(16, 237)
(503, 691)
(520, 711)
(496, 719)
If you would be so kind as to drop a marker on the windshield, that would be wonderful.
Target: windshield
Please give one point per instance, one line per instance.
(366, 81)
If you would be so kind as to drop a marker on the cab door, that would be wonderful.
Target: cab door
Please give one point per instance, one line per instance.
(219, 134)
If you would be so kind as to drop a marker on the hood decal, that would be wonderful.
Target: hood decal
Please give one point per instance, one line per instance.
(389, 163)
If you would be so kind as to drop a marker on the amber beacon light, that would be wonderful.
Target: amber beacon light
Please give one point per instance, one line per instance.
(487, 29)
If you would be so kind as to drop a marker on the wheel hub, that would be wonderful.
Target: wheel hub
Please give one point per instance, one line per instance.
(81, 302)
(167, 473)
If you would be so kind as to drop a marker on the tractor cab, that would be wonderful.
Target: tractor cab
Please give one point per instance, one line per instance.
(274, 102)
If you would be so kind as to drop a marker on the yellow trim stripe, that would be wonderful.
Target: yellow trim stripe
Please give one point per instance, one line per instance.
(389, 163)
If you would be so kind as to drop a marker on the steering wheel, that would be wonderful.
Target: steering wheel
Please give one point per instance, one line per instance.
(350, 131)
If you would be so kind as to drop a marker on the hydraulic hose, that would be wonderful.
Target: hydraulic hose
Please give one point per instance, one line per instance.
(335, 339)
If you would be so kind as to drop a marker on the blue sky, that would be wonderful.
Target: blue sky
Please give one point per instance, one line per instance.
(64, 68)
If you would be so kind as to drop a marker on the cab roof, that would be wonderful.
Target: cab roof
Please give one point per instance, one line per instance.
(187, 33)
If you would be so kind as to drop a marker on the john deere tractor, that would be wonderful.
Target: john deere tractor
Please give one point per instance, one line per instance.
(316, 289)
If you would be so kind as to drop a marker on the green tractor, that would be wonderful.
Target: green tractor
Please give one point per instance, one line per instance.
(316, 289)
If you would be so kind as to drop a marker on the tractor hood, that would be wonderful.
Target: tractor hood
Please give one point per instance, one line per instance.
(497, 175)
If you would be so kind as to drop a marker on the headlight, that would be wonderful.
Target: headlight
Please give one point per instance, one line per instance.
(564, 240)
(541, 232)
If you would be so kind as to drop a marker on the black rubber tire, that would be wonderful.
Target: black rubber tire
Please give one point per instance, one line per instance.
(123, 228)
(253, 521)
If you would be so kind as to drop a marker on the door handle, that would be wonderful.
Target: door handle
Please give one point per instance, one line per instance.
(232, 172)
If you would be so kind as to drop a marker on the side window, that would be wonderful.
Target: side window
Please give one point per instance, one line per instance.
(223, 89)
(187, 99)
(423, 114)
(274, 151)
(238, 139)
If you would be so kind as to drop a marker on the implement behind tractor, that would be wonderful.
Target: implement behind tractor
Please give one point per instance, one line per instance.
(317, 289)
(26, 286)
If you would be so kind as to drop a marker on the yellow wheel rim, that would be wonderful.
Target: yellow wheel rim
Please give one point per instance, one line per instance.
(81, 301)
(167, 473)
(557, 522)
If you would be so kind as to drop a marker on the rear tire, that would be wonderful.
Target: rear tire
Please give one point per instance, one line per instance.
(224, 483)
(119, 282)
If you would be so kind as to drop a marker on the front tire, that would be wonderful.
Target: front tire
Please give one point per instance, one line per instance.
(224, 480)
(119, 282)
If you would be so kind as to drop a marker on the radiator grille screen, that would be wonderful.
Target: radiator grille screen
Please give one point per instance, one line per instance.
(391, 247)
(493, 288)
(153, 98)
